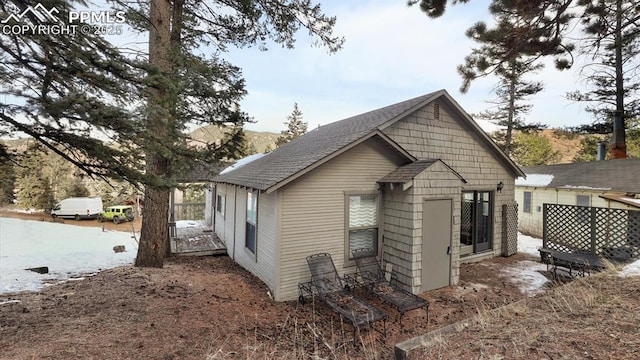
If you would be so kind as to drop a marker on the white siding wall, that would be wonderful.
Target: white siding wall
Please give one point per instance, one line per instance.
(531, 223)
(224, 222)
(459, 147)
(262, 263)
(232, 229)
(313, 210)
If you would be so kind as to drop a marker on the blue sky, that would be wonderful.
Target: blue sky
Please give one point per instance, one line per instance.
(392, 53)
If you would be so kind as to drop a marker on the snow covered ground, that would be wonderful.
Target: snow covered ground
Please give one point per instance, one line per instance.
(68, 251)
(526, 274)
(72, 251)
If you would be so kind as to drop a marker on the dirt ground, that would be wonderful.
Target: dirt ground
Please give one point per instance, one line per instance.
(210, 308)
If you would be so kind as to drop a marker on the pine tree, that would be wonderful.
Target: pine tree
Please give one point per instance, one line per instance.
(588, 148)
(508, 109)
(178, 80)
(505, 53)
(531, 149)
(33, 189)
(7, 182)
(613, 41)
(613, 37)
(533, 28)
(68, 87)
(75, 188)
(295, 127)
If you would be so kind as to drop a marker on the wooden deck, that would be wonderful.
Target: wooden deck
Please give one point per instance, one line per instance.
(196, 242)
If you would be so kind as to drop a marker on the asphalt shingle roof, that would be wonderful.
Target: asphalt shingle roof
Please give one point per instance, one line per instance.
(324, 142)
(619, 175)
(314, 146)
(408, 172)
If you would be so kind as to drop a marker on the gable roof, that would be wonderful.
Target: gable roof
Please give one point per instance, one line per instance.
(318, 146)
(617, 175)
(408, 172)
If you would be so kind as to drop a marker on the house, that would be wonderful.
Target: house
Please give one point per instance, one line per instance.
(605, 183)
(418, 181)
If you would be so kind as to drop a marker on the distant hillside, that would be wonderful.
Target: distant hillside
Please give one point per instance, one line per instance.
(262, 141)
(16, 145)
(567, 145)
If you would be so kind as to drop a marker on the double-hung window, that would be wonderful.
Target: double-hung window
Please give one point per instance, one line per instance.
(362, 220)
(220, 204)
(252, 221)
(527, 202)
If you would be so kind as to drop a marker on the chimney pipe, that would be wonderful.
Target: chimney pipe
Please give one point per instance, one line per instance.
(618, 141)
(602, 151)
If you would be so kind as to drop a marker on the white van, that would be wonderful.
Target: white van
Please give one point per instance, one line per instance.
(78, 208)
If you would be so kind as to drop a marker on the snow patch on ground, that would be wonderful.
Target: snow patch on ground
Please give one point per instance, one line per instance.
(68, 251)
(71, 252)
(527, 276)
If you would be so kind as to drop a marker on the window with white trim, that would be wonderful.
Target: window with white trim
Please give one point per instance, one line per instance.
(362, 221)
(527, 202)
(252, 220)
(220, 204)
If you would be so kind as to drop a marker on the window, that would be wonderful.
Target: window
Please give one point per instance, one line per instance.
(252, 220)
(584, 213)
(583, 200)
(527, 202)
(476, 224)
(362, 218)
(220, 204)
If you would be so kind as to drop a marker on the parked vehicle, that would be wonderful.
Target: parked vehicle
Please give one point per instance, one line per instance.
(78, 208)
(117, 214)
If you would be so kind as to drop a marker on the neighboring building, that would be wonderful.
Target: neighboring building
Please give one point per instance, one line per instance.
(605, 183)
(366, 181)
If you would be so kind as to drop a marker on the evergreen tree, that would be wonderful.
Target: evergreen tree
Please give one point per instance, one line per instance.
(33, 190)
(7, 175)
(633, 138)
(511, 58)
(508, 109)
(588, 148)
(532, 28)
(531, 149)
(295, 127)
(612, 27)
(7, 182)
(183, 86)
(74, 188)
(613, 41)
(68, 87)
